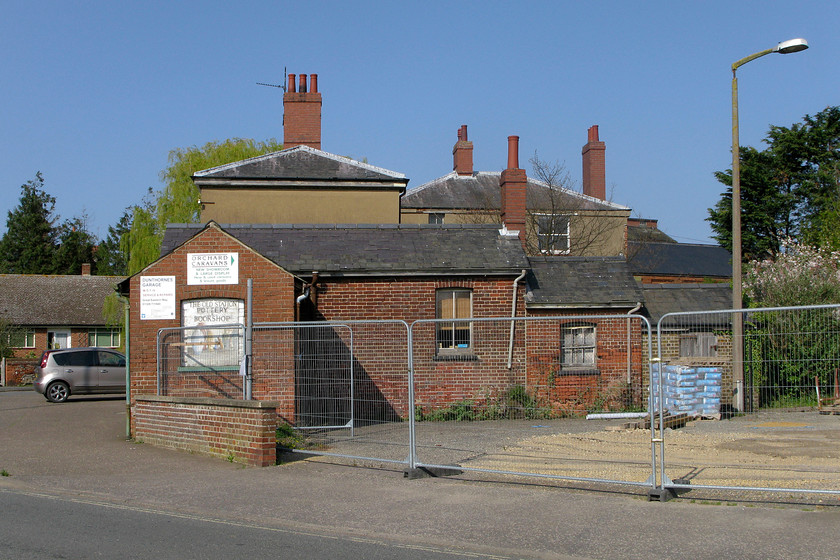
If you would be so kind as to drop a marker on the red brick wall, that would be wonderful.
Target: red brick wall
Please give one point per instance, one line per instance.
(438, 382)
(242, 431)
(603, 387)
(273, 300)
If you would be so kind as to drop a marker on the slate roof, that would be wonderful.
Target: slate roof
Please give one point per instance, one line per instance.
(44, 300)
(375, 250)
(645, 234)
(679, 259)
(572, 282)
(301, 163)
(481, 191)
(675, 298)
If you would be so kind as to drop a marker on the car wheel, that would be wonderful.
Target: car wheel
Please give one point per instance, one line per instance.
(57, 392)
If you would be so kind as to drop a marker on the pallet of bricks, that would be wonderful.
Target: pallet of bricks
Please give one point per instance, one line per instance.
(690, 390)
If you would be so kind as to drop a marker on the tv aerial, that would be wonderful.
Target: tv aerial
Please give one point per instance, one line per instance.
(282, 86)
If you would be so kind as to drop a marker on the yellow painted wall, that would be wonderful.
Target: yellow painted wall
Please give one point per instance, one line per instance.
(316, 206)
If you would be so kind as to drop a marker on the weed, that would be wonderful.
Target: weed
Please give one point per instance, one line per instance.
(4, 472)
(288, 437)
(231, 457)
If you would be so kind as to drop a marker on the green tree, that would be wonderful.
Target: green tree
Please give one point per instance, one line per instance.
(178, 202)
(789, 189)
(110, 259)
(29, 244)
(75, 247)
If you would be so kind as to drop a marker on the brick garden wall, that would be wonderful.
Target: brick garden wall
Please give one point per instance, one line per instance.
(242, 431)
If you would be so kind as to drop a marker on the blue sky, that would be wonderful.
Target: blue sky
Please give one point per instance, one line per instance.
(96, 94)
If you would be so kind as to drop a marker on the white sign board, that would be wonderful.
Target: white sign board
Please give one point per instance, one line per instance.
(157, 297)
(207, 344)
(212, 268)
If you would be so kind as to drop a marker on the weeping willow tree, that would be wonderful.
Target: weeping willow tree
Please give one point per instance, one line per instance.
(178, 202)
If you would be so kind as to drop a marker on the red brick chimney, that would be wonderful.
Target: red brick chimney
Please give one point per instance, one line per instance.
(462, 153)
(513, 183)
(594, 166)
(302, 113)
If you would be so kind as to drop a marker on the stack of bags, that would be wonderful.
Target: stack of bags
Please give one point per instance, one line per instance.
(687, 389)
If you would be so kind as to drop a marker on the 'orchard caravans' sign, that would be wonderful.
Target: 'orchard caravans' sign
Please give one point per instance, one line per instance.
(212, 268)
(157, 297)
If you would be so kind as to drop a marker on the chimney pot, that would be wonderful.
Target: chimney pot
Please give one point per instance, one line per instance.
(313, 83)
(302, 113)
(462, 153)
(513, 152)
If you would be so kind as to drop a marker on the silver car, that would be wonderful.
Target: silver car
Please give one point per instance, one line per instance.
(84, 371)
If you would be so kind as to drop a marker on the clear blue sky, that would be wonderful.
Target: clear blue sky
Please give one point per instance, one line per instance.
(96, 94)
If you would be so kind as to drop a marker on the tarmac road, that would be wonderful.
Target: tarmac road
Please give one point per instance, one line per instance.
(77, 452)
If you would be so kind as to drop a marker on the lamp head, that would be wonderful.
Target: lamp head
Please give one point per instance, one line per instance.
(791, 46)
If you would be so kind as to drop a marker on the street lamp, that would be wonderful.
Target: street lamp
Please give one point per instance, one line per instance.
(785, 47)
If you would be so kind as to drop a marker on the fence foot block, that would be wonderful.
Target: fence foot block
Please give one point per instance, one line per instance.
(661, 494)
(430, 472)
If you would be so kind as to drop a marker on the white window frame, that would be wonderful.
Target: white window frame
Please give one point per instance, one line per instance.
(453, 346)
(548, 241)
(28, 338)
(115, 334)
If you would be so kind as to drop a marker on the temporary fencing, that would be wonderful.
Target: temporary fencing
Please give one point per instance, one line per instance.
(748, 364)
(497, 394)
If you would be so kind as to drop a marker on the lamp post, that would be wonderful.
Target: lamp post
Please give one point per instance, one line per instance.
(785, 47)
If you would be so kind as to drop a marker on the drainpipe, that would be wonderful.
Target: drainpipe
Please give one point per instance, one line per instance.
(513, 316)
(127, 368)
(300, 299)
(629, 354)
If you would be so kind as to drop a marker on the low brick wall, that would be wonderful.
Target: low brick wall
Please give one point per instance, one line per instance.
(237, 429)
(18, 372)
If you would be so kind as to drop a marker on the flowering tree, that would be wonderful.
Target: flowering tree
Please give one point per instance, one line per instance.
(799, 275)
(787, 349)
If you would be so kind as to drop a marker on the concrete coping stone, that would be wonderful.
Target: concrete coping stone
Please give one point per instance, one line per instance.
(208, 401)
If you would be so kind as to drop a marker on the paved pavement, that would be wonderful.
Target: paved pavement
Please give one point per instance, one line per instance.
(78, 451)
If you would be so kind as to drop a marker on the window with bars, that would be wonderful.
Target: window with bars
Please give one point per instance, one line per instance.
(578, 346)
(457, 335)
(698, 345)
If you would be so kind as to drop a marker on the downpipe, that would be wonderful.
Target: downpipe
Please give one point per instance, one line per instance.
(513, 316)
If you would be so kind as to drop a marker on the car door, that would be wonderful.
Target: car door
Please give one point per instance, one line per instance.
(111, 368)
(77, 367)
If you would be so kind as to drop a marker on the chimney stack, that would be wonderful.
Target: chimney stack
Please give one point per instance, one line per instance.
(514, 182)
(302, 113)
(85, 269)
(462, 153)
(594, 166)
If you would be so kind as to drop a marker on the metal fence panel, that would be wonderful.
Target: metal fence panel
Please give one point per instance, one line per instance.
(201, 361)
(770, 383)
(510, 397)
(342, 386)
